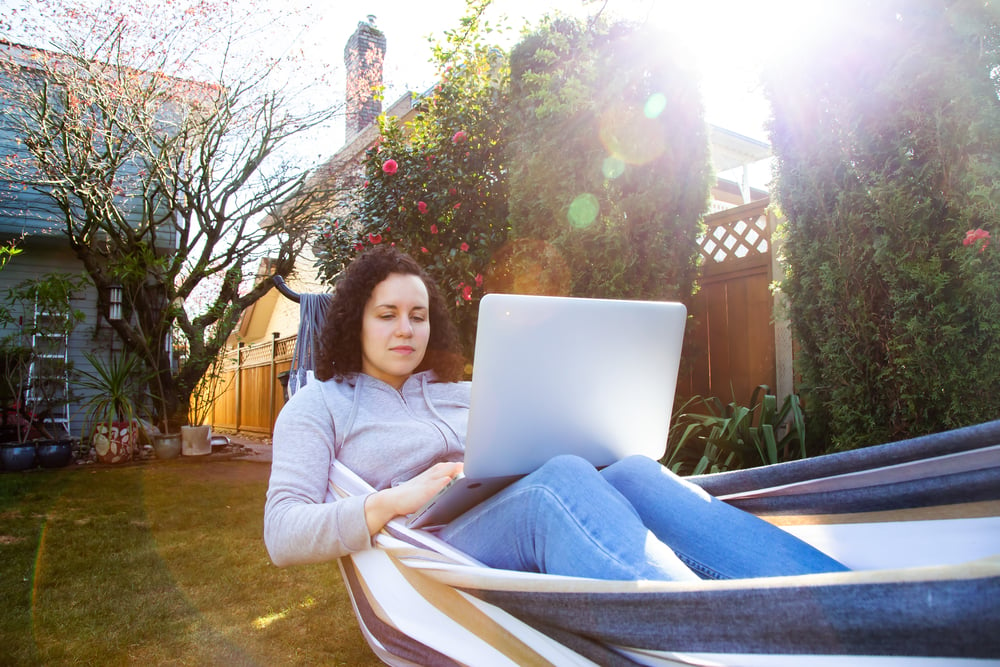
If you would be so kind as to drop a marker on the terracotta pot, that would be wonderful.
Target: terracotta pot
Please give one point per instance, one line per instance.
(167, 445)
(114, 445)
(196, 440)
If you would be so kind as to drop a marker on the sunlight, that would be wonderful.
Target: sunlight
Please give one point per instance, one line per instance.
(265, 621)
(729, 42)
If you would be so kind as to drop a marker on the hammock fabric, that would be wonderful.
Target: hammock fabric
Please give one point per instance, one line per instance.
(917, 520)
(312, 310)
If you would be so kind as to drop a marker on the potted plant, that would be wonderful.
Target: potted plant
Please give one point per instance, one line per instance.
(117, 400)
(37, 319)
(196, 437)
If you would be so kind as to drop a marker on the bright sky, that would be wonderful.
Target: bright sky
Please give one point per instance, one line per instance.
(729, 41)
(729, 38)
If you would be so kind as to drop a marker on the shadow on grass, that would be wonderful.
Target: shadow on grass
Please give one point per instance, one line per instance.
(159, 564)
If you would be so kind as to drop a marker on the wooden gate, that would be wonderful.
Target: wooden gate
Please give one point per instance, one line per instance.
(733, 343)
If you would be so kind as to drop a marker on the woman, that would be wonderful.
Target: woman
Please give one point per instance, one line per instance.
(389, 405)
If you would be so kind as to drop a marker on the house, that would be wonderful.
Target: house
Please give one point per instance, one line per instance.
(30, 217)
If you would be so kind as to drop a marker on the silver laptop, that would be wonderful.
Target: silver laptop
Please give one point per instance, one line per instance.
(560, 375)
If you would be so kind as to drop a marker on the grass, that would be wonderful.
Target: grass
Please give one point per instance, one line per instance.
(159, 564)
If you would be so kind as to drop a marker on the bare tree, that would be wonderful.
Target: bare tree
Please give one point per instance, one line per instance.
(161, 183)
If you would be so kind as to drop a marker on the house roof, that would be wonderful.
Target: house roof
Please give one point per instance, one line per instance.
(731, 150)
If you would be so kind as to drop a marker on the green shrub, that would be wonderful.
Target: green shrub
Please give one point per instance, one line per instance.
(609, 160)
(888, 147)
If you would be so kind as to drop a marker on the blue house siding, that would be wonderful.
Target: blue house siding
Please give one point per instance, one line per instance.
(37, 224)
(41, 256)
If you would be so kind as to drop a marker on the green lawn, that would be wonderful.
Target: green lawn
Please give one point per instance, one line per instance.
(156, 564)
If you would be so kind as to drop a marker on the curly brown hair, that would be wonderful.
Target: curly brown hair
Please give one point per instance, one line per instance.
(340, 340)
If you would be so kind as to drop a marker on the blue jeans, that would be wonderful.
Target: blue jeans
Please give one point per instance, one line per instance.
(632, 520)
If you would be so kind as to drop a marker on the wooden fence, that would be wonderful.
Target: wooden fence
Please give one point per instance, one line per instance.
(733, 342)
(251, 391)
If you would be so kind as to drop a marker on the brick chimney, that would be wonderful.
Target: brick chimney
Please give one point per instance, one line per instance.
(363, 58)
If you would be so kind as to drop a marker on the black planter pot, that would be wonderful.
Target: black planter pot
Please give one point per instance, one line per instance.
(17, 456)
(54, 453)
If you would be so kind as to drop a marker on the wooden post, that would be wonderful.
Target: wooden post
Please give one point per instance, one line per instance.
(273, 377)
(239, 385)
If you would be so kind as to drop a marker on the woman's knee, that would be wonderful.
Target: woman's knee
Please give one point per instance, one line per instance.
(565, 466)
(641, 474)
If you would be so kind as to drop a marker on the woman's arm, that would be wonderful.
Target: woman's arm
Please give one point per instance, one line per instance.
(383, 506)
(299, 527)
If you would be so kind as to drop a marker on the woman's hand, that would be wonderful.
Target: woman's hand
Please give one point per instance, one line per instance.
(408, 497)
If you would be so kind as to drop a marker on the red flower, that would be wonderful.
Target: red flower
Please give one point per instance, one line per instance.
(458, 137)
(479, 280)
(467, 292)
(424, 250)
(457, 206)
(434, 229)
(464, 247)
(375, 238)
(451, 191)
(978, 235)
(422, 206)
(390, 166)
(359, 247)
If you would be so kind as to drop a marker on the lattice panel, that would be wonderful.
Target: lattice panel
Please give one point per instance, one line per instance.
(735, 239)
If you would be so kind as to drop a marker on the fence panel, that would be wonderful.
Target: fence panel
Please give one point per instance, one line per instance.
(730, 346)
(251, 393)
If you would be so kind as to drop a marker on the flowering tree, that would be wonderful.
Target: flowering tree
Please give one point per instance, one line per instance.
(887, 140)
(160, 180)
(435, 188)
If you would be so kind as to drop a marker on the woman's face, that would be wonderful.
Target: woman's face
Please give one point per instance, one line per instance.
(395, 328)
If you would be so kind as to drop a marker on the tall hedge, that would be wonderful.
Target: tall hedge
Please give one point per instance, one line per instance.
(887, 134)
(608, 162)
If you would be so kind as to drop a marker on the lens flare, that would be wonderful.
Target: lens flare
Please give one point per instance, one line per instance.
(629, 135)
(655, 105)
(612, 167)
(583, 210)
(528, 266)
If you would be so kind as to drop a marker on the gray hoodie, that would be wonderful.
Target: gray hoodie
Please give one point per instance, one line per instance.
(384, 435)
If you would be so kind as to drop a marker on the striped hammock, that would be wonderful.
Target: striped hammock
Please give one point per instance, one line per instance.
(918, 521)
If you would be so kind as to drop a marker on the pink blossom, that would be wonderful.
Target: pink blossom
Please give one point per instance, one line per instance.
(424, 250)
(422, 206)
(390, 166)
(434, 229)
(458, 137)
(464, 247)
(978, 235)
(457, 206)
